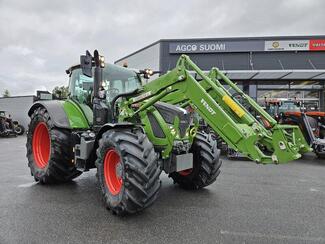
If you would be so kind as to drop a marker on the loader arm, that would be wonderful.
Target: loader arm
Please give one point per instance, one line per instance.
(226, 116)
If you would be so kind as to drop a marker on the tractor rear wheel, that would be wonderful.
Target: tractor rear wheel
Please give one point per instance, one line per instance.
(49, 150)
(206, 164)
(127, 170)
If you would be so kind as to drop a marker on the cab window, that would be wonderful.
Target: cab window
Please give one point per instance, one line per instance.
(116, 80)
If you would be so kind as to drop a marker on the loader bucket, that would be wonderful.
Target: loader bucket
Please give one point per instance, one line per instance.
(288, 143)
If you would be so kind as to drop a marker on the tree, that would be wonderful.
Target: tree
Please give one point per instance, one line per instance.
(60, 92)
(6, 93)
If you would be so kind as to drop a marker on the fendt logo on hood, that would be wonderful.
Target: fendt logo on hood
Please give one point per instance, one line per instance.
(207, 106)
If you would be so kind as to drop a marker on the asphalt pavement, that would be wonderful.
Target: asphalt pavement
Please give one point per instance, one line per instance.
(249, 203)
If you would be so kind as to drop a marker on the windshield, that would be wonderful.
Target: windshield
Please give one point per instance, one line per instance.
(289, 107)
(116, 80)
(271, 109)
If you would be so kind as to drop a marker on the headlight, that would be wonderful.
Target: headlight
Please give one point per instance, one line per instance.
(102, 61)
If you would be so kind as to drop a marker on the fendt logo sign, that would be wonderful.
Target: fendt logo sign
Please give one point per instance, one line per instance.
(207, 106)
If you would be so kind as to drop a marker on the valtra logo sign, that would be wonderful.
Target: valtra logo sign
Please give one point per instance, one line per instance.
(317, 45)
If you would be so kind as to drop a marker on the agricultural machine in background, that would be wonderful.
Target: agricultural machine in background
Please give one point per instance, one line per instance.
(9, 127)
(130, 132)
(311, 123)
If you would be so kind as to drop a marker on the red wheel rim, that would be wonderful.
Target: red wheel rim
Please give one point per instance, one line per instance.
(41, 145)
(113, 171)
(185, 172)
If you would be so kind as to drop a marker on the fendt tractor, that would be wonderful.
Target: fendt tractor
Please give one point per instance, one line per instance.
(131, 133)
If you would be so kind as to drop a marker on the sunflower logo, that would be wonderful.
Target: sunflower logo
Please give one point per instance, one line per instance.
(275, 44)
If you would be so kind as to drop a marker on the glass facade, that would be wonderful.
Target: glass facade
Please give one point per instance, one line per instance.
(310, 93)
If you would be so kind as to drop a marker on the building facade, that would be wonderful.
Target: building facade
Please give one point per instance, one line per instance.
(286, 67)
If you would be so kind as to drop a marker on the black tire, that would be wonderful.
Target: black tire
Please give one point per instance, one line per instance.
(139, 172)
(206, 163)
(19, 129)
(59, 166)
(220, 142)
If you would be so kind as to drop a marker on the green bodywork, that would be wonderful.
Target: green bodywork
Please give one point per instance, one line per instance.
(171, 132)
(80, 116)
(224, 114)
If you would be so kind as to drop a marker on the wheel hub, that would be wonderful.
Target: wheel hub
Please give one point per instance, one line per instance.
(41, 145)
(118, 170)
(113, 171)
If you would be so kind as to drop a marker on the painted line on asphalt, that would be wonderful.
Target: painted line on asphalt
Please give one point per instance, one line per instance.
(313, 189)
(273, 236)
(27, 184)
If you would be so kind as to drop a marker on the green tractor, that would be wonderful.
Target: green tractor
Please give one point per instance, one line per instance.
(131, 133)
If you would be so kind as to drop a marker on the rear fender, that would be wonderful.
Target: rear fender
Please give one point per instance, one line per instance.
(64, 114)
(56, 112)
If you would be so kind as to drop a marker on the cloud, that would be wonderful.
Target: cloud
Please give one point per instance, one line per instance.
(17, 50)
(40, 39)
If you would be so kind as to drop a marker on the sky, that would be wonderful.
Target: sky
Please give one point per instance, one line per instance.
(40, 39)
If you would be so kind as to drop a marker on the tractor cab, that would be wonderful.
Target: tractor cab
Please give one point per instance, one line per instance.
(276, 107)
(115, 80)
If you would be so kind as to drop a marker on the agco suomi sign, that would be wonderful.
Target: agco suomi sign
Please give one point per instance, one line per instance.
(215, 46)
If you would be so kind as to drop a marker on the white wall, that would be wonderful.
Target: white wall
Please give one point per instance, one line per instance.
(18, 108)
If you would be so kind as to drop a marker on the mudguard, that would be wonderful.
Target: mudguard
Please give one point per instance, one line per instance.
(106, 127)
(109, 126)
(64, 114)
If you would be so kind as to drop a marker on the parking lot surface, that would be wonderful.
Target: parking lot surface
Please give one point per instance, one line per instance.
(249, 203)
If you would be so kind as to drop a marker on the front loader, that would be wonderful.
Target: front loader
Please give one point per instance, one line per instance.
(130, 132)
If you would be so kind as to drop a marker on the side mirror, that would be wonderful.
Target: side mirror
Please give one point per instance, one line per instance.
(86, 64)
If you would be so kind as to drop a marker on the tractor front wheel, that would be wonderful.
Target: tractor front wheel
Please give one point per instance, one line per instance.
(127, 170)
(206, 164)
(49, 150)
